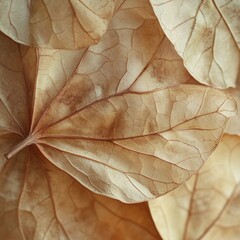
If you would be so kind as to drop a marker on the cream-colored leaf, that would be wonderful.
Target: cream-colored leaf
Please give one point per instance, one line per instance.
(11, 182)
(233, 125)
(56, 24)
(206, 34)
(109, 116)
(174, 129)
(71, 80)
(40, 202)
(207, 206)
(13, 102)
(90, 117)
(165, 69)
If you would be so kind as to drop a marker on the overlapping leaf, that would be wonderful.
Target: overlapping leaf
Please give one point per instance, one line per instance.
(207, 36)
(38, 201)
(57, 24)
(88, 115)
(207, 206)
(233, 125)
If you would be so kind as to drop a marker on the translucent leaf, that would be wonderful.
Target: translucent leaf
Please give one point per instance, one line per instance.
(111, 117)
(56, 24)
(42, 202)
(206, 34)
(174, 129)
(206, 206)
(110, 122)
(233, 125)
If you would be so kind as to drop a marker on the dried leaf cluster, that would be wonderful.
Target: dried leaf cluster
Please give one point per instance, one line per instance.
(119, 98)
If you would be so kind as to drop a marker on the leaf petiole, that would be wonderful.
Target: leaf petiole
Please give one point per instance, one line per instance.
(30, 139)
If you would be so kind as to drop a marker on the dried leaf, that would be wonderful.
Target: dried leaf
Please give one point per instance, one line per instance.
(56, 24)
(109, 116)
(88, 115)
(233, 125)
(206, 34)
(208, 205)
(164, 70)
(38, 201)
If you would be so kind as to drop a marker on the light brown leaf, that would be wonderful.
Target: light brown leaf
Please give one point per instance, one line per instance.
(208, 205)
(38, 201)
(89, 116)
(233, 125)
(206, 34)
(164, 70)
(56, 24)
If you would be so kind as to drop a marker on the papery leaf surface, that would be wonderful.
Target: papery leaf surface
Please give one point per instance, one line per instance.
(88, 115)
(110, 122)
(65, 24)
(206, 34)
(207, 205)
(233, 125)
(39, 201)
